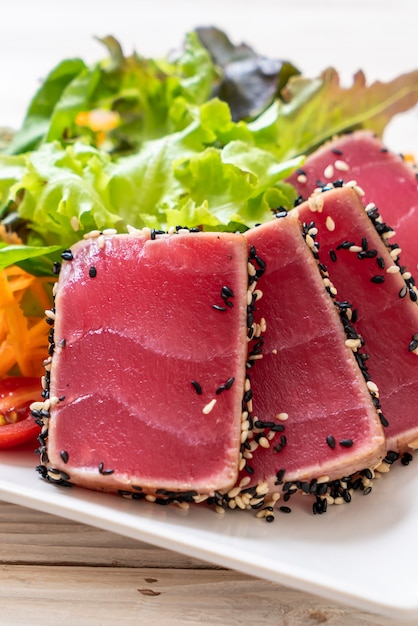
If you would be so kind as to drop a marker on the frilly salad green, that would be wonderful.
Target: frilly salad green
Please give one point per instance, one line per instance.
(204, 137)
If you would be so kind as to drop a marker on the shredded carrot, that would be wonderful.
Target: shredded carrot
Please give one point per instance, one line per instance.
(23, 331)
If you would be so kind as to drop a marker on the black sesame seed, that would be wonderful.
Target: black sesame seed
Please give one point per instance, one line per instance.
(332, 255)
(197, 387)
(56, 268)
(331, 441)
(346, 443)
(280, 475)
(67, 255)
(364, 243)
(367, 491)
(218, 307)
(383, 420)
(92, 272)
(413, 345)
(226, 292)
(285, 509)
(378, 280)
(381, 262)
(337, 151)
(64, 456)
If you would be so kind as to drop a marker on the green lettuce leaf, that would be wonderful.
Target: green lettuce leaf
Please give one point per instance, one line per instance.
(317, 109)
(16, 254)
(38, 117)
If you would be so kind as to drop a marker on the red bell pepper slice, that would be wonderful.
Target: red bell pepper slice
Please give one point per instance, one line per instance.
(17, 426)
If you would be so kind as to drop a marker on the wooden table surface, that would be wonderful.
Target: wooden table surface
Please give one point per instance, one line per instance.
(54, 571)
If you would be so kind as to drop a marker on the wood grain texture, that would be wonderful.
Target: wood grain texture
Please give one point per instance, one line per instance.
(53, 571)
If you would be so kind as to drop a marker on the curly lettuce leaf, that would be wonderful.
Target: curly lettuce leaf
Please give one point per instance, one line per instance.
(317, 109)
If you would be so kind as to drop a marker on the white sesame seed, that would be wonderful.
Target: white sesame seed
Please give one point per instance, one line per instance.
(319, 202)
(264, 442)
(372, 387)
(370, 206)
(261, 513)
(383, 468)
(150, 498)
(342, 166)
(329, 223)
(353, 344)
(339, 500)
(183, 505)
(247, 384)
(101, 241)
(239, 502)
(355, 248)
(244, 481)
(36, 406)
(209, 406)
(258, 294)
(92, 234)
(329, 171)
(244, 436)
(262, 488)
(413, 444)
(219, 510)
(282, 417)
(74, 223)
(302, 178)
(242, 464)
(200, 498)
(310, 241)
(322, 479)
(274, 351)
(395, 253)
(251, 269)
(393, 269)
(312, 204)
(263, 325)
(233, 492)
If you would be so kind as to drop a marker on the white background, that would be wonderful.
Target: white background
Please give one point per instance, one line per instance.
(379, 36)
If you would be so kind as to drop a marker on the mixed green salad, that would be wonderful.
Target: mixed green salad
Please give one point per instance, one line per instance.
(204, 137)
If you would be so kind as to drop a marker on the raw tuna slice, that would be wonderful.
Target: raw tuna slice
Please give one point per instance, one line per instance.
(313, 415)
(365, 272)
(385, 178)
(148, 370)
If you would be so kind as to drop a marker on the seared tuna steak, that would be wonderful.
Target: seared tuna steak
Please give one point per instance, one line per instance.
(384, 177)
(147, 375)
(313, 415)
(366, 272)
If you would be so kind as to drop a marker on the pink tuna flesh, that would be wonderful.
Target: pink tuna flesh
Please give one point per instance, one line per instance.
(307, 371)
(135, 326)
(387, 311)
(385, 178)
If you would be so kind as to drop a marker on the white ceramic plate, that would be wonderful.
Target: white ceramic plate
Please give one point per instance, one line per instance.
(363, 553)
